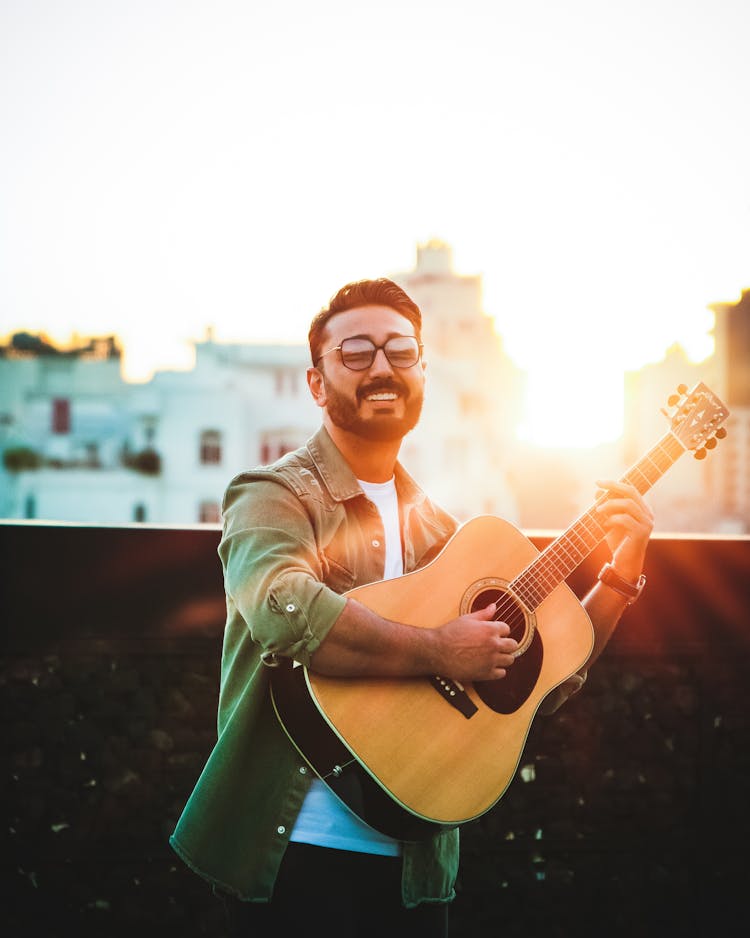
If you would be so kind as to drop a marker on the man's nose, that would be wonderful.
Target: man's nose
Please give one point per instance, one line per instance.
(380, 364)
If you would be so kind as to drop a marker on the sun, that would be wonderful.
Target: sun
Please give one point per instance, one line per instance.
(574, 409)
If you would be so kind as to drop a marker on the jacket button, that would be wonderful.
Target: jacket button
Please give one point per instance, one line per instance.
(281, 829)
(375, 542)
(290, 607)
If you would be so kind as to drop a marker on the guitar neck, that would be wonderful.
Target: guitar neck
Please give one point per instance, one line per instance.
(561, 557)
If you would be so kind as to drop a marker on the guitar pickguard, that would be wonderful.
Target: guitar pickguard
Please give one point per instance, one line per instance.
(507, 694)
(442, 753)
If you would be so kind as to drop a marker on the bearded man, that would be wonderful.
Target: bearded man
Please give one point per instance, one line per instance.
(280, 849)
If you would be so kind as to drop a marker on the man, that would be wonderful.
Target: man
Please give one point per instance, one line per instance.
(275, 843)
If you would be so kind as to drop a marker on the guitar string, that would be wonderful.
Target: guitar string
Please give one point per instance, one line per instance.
(640, 477)
(563, 555)
(550, 568)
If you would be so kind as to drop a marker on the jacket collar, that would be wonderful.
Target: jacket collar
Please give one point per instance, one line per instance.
(338, 477)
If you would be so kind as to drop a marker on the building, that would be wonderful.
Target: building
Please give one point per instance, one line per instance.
(732, 336)
(99, 449)
(81, 444)
(710, 495)
(460, 449)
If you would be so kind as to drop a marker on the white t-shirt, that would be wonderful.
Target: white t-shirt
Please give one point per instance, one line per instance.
(324, 820)
(385, 497)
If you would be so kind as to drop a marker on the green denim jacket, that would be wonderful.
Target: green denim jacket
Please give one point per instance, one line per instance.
(297, 534)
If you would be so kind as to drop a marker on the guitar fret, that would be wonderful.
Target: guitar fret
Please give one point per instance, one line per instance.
(321, 715)
(657, 469)
(632, 478)
(560, 558)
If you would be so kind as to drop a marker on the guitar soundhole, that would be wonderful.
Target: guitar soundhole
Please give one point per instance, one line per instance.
(508, 610)
(507, 694)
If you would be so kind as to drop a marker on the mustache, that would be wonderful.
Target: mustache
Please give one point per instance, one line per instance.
(386, 384)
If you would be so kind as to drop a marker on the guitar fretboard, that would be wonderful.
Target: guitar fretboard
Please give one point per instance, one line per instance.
(561, 557)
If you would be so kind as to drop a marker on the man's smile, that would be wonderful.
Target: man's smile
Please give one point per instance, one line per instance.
(382, 392)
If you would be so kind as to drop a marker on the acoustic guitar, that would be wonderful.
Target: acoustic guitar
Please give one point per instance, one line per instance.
(412, 756)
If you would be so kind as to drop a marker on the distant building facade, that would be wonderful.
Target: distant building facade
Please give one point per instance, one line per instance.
(459, 451)
(732, 336)
(80, 444)
(109, 451)
(711, 495)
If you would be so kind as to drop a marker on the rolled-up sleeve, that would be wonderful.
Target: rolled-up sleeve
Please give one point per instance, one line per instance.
(273, 574)
(558, 695)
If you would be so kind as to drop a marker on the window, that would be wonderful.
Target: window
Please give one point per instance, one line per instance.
(210, 448)
(275, 443)
(286, 382)
(91, 457)
(149, 433)
(61, 415)
(454, 454)
(209, 512)
(471, 404)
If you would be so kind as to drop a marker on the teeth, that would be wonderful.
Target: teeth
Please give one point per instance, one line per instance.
(382, 396)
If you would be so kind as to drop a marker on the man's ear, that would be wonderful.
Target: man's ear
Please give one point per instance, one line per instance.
(316, 383)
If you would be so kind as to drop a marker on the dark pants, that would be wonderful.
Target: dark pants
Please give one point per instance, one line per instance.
(336, 892)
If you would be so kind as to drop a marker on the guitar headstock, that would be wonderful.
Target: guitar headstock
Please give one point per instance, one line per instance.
(697, 418)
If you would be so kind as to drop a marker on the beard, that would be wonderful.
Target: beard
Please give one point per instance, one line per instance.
(381, 428)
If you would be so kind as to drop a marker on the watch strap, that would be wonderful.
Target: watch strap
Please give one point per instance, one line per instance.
(612, 579)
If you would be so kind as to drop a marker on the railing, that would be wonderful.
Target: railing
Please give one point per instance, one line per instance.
(628, 815)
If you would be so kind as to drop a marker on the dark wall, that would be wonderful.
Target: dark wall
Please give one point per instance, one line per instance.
(630, 815)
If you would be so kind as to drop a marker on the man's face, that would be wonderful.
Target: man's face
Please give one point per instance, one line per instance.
(379, 403)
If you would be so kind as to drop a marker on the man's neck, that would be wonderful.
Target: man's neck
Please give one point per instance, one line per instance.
(370, 460)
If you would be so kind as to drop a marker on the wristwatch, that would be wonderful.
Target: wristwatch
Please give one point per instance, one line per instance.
(611, 578)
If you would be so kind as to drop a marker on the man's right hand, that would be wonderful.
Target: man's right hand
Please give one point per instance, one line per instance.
(476, 648)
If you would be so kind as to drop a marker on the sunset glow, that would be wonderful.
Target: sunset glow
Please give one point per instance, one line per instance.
(170, 166)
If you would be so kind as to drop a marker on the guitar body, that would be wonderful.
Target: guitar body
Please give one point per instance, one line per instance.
(440, 752)
(413, 755)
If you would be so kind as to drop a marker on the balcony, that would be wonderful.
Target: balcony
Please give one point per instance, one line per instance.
(628, 816)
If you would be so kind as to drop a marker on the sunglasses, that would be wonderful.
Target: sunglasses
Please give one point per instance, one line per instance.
(402, 351)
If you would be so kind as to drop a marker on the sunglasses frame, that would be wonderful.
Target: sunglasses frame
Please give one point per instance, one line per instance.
(375, 350)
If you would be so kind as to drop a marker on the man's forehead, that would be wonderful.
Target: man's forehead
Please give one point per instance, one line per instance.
(369, 320)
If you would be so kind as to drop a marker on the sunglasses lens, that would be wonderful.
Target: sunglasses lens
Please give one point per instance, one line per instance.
(402, 351)
(357, 354)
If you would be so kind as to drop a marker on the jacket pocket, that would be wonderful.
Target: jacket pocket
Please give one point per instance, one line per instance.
(335, 575)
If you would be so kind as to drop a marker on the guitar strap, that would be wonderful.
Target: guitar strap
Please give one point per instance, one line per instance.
(336, 765)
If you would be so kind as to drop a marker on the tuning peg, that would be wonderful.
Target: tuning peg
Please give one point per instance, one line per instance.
(700, 454)
(721, 432)
(682, 388)
(673, 399)
(710, 443)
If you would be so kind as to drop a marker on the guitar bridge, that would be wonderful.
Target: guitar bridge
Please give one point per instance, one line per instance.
(456, 696)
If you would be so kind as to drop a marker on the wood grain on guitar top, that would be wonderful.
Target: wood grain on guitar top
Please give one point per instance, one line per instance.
(430, 757)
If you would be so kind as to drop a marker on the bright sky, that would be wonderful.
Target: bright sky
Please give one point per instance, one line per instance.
(170, 164)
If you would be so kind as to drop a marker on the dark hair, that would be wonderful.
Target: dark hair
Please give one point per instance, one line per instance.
(380, 292)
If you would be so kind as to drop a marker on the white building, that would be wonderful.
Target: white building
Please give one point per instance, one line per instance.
(188, 431)
(459, 451)
(164, 451)
(109, 451)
